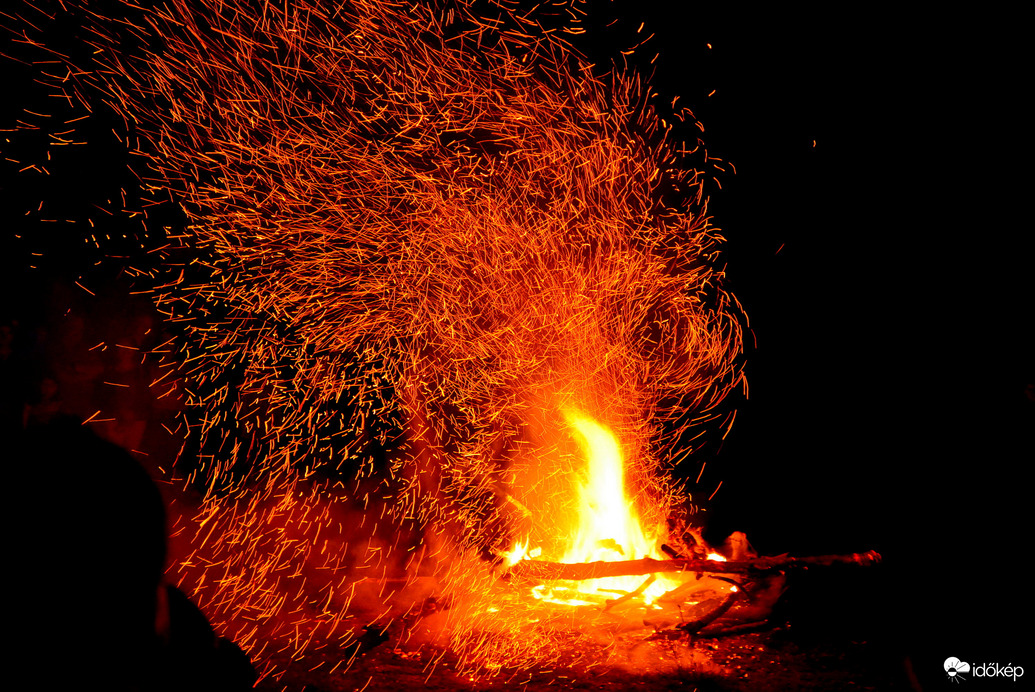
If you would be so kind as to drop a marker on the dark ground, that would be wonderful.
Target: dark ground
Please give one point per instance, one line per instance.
(742, 663)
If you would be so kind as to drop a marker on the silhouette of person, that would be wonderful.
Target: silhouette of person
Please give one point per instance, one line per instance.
(91, 607)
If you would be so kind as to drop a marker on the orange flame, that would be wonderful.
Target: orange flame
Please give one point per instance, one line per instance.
(608, 527)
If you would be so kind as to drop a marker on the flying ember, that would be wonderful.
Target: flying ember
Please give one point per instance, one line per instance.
(446, 302)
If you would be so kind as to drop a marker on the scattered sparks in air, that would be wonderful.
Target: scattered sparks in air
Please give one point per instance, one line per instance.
(416, 241)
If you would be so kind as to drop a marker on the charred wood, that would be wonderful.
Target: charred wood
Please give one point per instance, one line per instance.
(536, 570)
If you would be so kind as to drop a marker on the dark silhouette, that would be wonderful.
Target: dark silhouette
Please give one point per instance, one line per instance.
(90, 553)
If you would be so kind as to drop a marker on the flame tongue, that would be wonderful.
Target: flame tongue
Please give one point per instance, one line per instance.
(608, 529)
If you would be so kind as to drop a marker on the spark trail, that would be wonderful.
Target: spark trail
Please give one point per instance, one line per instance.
(415, 236)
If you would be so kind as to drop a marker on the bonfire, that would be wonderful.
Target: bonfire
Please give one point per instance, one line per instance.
(448, 312)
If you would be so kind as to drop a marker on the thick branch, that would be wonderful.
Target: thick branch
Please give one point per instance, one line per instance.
(700, 624)
(546, 571)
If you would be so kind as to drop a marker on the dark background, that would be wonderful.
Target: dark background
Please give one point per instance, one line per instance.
(877, 245)
(876, 242)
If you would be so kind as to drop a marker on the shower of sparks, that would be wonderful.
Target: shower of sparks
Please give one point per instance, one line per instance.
(415, 237)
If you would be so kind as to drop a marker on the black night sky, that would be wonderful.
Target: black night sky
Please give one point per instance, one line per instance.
(883, 272)
(873, 243)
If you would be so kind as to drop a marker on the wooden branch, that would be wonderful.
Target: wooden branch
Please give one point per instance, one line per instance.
(709, 618)
(535, 570)
(738, 628)
(612, 602)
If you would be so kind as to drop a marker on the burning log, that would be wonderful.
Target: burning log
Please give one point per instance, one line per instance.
(535, 570)
(632, 594)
